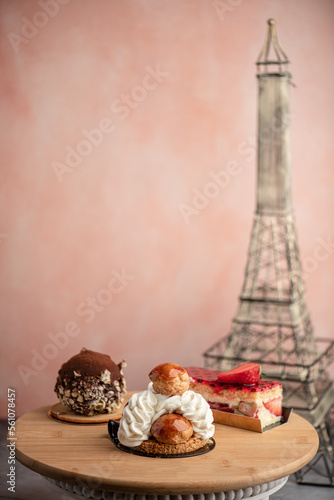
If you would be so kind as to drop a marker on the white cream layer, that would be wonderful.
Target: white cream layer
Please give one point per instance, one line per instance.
(145, 407)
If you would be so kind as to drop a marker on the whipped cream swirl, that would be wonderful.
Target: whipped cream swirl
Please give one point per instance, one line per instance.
(147, 406)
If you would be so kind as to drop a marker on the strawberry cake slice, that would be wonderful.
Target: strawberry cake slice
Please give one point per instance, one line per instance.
(239, 391)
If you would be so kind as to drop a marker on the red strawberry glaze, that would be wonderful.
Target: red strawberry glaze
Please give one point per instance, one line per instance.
(210, 378)
(198, 373)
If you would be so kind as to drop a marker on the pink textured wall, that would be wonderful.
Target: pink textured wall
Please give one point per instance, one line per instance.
(113, 114)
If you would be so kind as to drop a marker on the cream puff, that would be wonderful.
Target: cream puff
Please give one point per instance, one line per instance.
(169, 379)
(172, 428)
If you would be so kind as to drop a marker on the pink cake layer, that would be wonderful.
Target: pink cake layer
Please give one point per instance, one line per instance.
(209, 379)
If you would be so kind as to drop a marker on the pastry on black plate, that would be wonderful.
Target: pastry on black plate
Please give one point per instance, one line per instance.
(167, 418)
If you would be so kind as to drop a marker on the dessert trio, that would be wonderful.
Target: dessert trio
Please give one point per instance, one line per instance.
(177, 411)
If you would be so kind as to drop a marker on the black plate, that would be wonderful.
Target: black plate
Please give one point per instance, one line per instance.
(113, 430)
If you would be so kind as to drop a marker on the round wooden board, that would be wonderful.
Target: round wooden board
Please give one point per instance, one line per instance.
(241, 458)
(60, 412)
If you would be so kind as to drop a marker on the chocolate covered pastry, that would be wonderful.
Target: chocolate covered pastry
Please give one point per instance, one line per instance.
(91, 383)
(167, 418)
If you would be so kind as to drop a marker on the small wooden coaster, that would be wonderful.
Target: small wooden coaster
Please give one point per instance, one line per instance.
(60, 412)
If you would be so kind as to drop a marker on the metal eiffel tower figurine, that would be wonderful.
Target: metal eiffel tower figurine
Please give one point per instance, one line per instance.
(272, 325)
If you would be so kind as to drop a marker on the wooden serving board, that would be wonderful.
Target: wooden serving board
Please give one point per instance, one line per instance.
(73, 453)
(60, 412)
